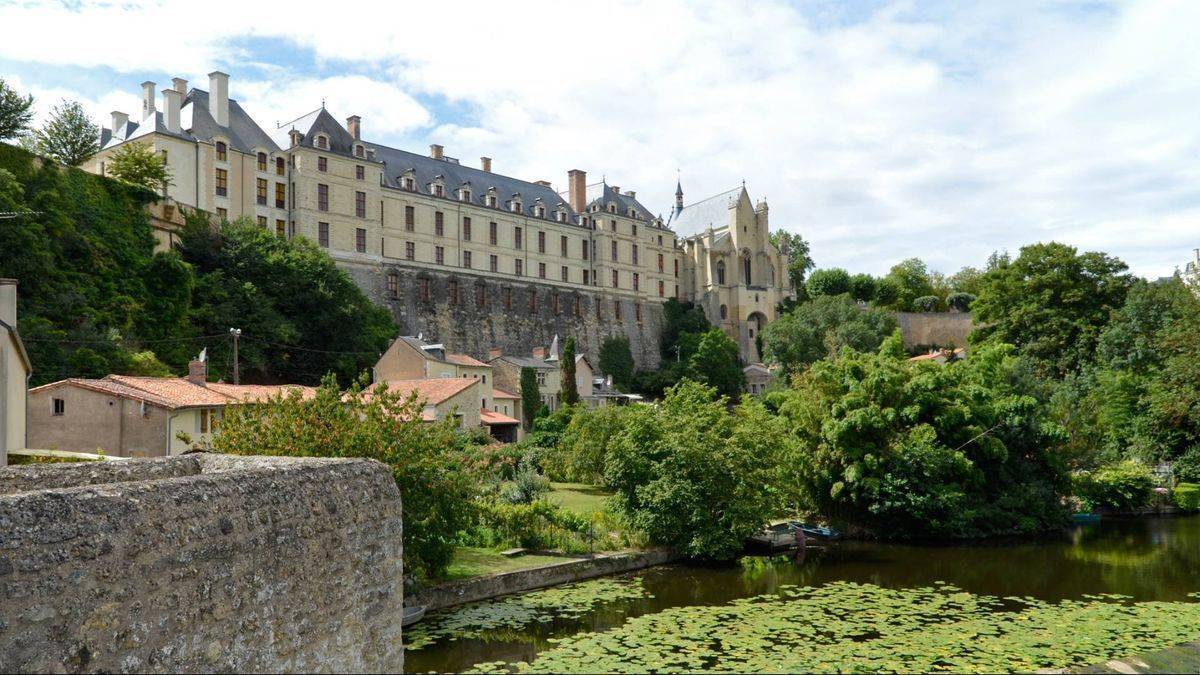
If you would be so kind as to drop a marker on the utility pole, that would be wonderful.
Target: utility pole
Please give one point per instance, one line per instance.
(235, 333)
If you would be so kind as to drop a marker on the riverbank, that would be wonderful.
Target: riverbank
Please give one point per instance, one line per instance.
(1184, 658)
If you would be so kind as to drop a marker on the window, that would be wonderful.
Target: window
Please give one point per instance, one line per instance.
(541, 242)
(540, 212)
(410, 218)
(616, 279)
(492, 234)
(660, 263)
(280, 228)
(562, 216)
(260, 191)
(262, 222)
(542, 270)
(222, 182)
(578, 306)
(557, 306)
(360, 204)
(323, 234)
(204, 421)
(635, 254)
(410, 250)
(585, 248)
(676, 269)
(439, 255)
(280, 195)
(724, 312)
(322, 164)
(409, 184)
(566, 275)
(360, 172)
(60, 406)
(222, 214)
(661, 288)
(425, 290)
(614, 251)
(262, 161)
(393, 285)
(322, 197)
(563, 245)
(464, 194)
(438, 191)
(532, 301)
(585, 277)
(518, 267)
(279, 166)
(358, 151)
(617, 309)
(453, 291)
(636, 277)
(467, 259)
(720, 272)
(222, 152)
(517, 238)
(637, 311)
(360, 240)
(493, 263)
(491, 201)
(439, 227)
(466, 229)
(634, 225)
(508, 298)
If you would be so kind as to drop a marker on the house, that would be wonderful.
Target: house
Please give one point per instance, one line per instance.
(443, 398)
(583, 377)
(941, 356)
(758, 376)
(15, 368)
(128, 416)
(507, 371)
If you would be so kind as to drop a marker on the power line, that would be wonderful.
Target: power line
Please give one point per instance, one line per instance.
(140, 342)
(309, 349)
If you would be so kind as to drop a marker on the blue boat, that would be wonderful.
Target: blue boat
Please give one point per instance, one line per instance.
(1085, 518)
(818, 531)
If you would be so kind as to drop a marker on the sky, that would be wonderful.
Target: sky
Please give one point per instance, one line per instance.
(878, 130)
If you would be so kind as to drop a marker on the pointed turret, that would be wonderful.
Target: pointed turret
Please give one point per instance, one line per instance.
(678, 196)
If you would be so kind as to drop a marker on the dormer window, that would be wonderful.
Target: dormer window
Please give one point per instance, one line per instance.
(464, 193)
(222, 151)
(562, 215)
(408, 181)
(612, 208)
(515, 204)
(491, 197)
(632, 212)
(539, 210)
(262, 161)
(359, 151)
(322, 142)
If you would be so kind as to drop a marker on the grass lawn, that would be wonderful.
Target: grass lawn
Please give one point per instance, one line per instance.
(578, 497)
(475, 562)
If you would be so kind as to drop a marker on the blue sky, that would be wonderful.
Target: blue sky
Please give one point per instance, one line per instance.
(879, 130)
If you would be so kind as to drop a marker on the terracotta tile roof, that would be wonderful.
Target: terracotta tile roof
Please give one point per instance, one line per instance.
(432, 390)
(178, 392)
(260, 392)
(500, 393)
(490, 418)
(464, 360)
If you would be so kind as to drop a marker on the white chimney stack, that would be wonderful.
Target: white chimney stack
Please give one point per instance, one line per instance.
(218, 97)
(180, 85)
(171, 103)
(119, 120)
(148, 108)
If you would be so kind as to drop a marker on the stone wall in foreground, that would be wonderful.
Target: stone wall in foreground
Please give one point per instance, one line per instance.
(200, 563)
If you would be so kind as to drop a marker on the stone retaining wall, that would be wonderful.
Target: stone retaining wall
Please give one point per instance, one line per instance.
(495, 585)
(200, 563)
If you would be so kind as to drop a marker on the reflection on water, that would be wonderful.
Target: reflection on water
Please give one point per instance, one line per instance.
(1150, 559)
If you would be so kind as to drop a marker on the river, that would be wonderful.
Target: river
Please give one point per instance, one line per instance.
(1155, 559)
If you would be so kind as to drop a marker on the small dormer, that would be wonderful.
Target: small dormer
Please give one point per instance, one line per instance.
(515, 204)
(539, 209)
(491, 198)
(560, 212)
(408, 180)
(633, 212)
(321, 141)
(612, 207)
(360, 150)
(437, 187)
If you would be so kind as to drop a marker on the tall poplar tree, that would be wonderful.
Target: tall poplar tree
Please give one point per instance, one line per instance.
(570, 387)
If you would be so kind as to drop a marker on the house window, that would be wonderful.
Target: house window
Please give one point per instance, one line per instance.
(466, 229)
(660, 240)
(508, 298)
(491, 201)
(636, 277)
(542, 270)
(322, 197)
(557, 306)
(360, 204)
(262, 222)
(637, 311)
(410, 218)
(322, 164)
(541, 212)
(492, 234)
(202, 421)
(467, 259)
(585, 277)
(280, 195)
(222, 182)
(425, 290)
(634, 225)
(578, 306)
(660, 263)
(260, 191)
(519, 243)
(676, 269)
(565, 273)
(563, 245)
(393, 285)
(661, 288)
(323, 234)
(60, 406)
(518, 267)
(724, 312)
(280, 228)
(617, 309)
(439, 255)
(616, 279)
(322, 143)
(410, 250)
(532, 301)
(222, 152)
(360, 240)
(585, 248)
(222, 214)
(541, 242)
(279, 166)
(358, 151)
(409, 184)
(439, 223)
(464, 194)
(481, 301)
(262, 161)
(360, 172)
(614, 251)
(541, 378)
(453, 290)
(437, 191)
(494, 263)
(635, 254)
(720, 272)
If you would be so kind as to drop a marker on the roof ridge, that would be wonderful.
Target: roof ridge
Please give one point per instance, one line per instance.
(706, 199)
(372, 144)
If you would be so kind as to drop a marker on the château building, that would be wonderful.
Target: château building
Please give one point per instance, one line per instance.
(472, 258)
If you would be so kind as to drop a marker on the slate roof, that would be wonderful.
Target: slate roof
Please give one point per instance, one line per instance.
(712, 212)
(243, 133)
(526, 362)
(602, 194)
(425, 169)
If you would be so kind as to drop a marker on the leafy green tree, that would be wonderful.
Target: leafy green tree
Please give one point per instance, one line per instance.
(378, 424)
(799, 254)
(716, 364)
(960, 302)
(1122, 486)
(966, 280)
(832, 281)
(531, 397)
(1051, 303)
(616, 360)
(862, 287)
(693, 476)
(913, 281)
(16, 112)
(821, 327)
(138, 164)
(926, 303)
(585, 443)
(69, 136)
(887, 293)
(680, 320)
(570, 388)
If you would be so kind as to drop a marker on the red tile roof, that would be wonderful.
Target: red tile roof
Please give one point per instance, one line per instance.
(179, 392)
(464, 360)
(432, 390)
(500, 393)
(491, 418)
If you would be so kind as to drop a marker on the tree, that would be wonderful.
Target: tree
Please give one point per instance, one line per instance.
(960, 302)
(680, 319)
(822, 327)
(693, 476)
(570, 388)
(378, 424)
(716, 364)
(926, 303)
(531, 397)
(138, 164)
(912, 280)
(887, 293)
(966, 280)
(16, 112)
(832, 281)
(1051, 303)
(616, 360)
(862, 287)
(800, 260)
(69, 136)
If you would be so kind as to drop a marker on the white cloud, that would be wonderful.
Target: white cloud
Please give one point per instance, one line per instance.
(942, 133)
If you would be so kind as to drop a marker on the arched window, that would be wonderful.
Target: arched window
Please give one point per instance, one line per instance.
(322, 142)
(358, 151)
(746, 268)
(721, 273)
(262, 161)
(222, 151)
(279, 164)
(724, 312)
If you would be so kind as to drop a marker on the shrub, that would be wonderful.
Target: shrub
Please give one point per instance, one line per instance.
(527, 486)
(926, 303)
(1187, 496)
(542, 525)
(1122, 486)
(1187, 466)
(960, 301)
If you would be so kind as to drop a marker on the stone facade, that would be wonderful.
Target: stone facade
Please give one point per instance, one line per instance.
(923, 330)
(201, 563)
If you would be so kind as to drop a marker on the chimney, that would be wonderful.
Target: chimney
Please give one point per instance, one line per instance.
(495, 353)
(180, 85)
(486, 164)
(119, 121)
(616, 189)
(577, 189)
(539, 352)
(354, 126)
(543, 183)
(8, 301)
(171, 101)
(218, 97)
(631, 193)
(148, 108)
(435, 151)
(295, 137)
(197, 372)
